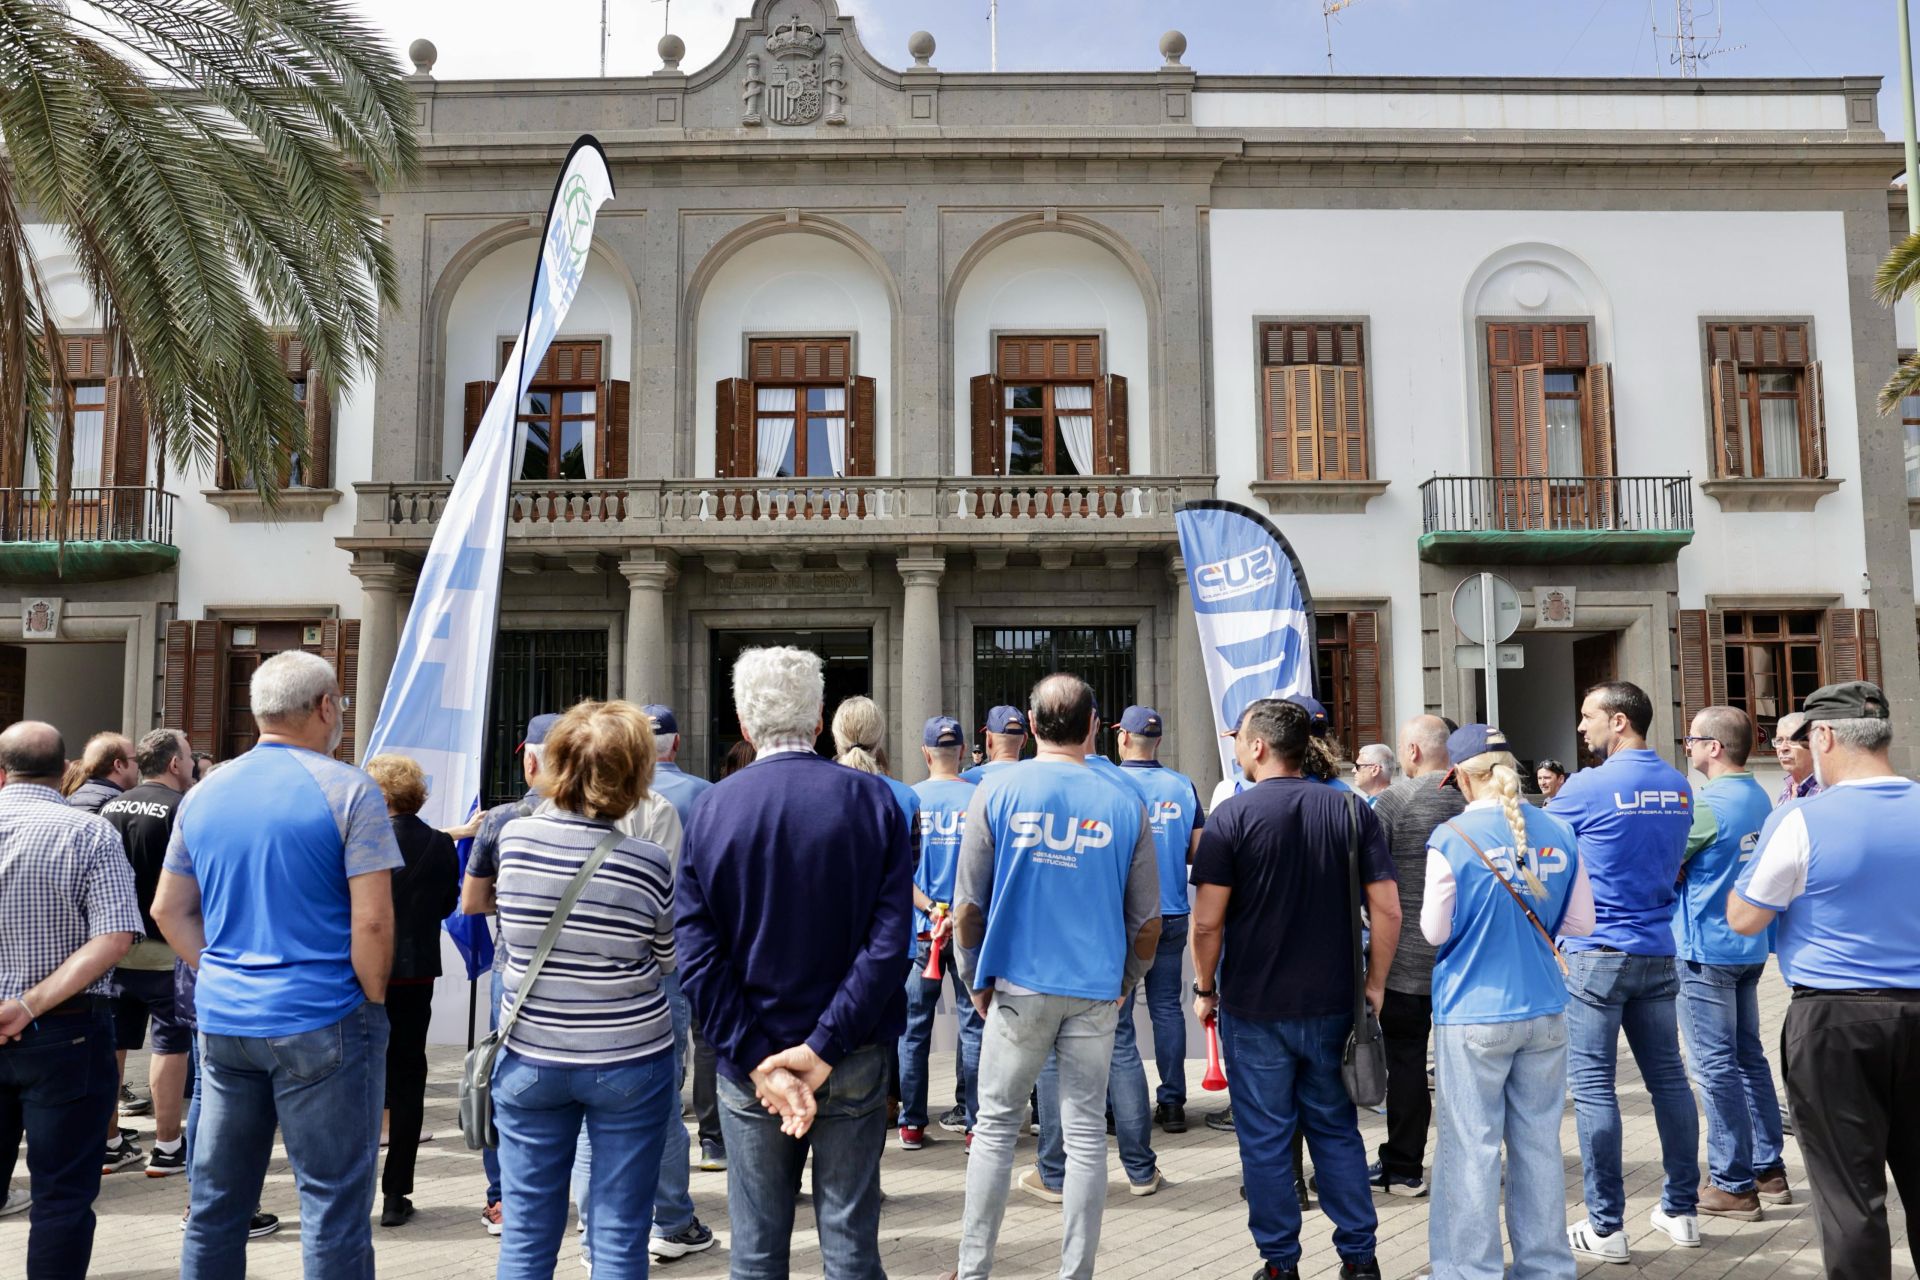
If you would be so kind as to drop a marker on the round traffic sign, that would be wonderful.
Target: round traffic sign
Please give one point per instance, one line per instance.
(1469, 612)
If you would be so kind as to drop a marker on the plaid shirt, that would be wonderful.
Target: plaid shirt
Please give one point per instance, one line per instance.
(1807, 786)
(64, 879)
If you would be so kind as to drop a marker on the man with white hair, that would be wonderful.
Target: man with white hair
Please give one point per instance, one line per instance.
(277, 889)
(1373, 767)
(1790, 735)
(795, 896)
(1837, 871)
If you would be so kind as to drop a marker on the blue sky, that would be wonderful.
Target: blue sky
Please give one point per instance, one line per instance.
(483, 38)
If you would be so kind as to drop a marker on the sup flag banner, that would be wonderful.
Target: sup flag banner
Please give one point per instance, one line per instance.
(1251, 604)
(435, 708)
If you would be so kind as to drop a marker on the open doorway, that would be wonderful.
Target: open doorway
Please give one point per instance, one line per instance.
(848, 656)
(1540, 702)
(76, 687)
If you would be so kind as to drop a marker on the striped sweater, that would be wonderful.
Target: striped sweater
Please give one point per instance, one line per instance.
(599, 999)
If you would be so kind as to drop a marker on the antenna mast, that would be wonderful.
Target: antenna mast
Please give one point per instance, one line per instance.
(993, 35)
(1327, 9)
(1692, 47)
(603, 39)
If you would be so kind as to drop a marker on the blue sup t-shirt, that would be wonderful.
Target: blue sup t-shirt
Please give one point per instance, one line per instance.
(273, 838)
(980, 772)
(1729, 812)
(1631, 816)
(1173, 810)
(943, 816)
(1064, 837)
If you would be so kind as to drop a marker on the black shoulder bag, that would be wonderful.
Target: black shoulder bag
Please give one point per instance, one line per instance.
(1363, 1067)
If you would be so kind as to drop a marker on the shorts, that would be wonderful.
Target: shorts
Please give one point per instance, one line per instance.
(142, 993)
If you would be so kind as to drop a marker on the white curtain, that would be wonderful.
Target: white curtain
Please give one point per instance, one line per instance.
(1780, 436)
(1073, 410)
(834, 401)
(775, 435)
(1563, 438)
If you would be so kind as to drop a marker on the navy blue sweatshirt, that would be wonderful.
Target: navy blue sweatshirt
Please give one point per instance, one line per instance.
(795, 901)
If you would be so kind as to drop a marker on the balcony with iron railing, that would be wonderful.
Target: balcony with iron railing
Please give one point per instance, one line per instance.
(1555, 519)
(1100, 511)
(114, 531)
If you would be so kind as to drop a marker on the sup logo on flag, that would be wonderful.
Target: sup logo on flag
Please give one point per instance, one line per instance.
(1252, 609)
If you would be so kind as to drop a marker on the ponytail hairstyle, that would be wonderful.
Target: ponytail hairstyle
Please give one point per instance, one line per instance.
(859, 736)
(1497, 773)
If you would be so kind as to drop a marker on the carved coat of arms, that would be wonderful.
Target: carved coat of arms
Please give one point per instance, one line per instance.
(793, 90)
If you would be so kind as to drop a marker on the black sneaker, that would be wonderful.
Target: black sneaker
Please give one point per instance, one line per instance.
(695, 1237)
(1395, 1184)
(396, 1212)
(262, 1224)
(1221, 1120)
(119, 1155)
(1368, 1270)
(1171, 1117)
(1268, 1271)
(132, 1104)
(954, 1120)
(164, 1164)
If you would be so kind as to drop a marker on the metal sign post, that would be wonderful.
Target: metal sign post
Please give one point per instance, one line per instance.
(1491, 647)
(1486, 609)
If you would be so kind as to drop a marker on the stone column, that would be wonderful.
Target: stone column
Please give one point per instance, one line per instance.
(919, 659)
(380, 585)
(1196, 744)
(649, 661)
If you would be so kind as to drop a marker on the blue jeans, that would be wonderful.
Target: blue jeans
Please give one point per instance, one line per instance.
(1720, 1012)
(672, 1201)
(1165, 993)
(923, 1002)
(1286, 1073)
(1500, 1083)
(849, 1134)
(540, 1111)
(58, 1083)
(1126, 1094)
(1612, 993)
(490, 1158)
(325, 1089)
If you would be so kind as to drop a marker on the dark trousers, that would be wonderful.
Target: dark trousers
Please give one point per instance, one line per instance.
(1853, 1084)
(706, 1097)
(1405, 1020)
(58, 1082)
(409, 1009)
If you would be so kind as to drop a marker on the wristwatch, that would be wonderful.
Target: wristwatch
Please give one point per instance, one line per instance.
(1204, 995)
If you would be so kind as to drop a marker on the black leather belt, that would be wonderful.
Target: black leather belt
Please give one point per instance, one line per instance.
(78, 1007)
(1858, 993)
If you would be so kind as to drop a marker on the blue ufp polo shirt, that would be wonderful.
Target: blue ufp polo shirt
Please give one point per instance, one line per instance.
(943, 816)
(1733, 808)
(1064, 836)
(1631, 816)
(1173, 810)
(1494, 965)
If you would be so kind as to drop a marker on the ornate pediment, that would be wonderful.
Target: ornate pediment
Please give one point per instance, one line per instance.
(791, 64)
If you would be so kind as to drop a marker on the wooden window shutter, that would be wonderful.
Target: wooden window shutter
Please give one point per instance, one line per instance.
(473, 410)
(1278, 435)
(1102, 432)
(861, 428)
(1506, 421)
(1813, 411)
(340, 646)
(1303, 436)
(1599, 413)
(175, 693)
(733, 428)
(1363, 665)
(195, 651)
(1533, 439)
(87, 356)
(613, 430)
(1110, 445)
(989, 438)
(319, 468)
(125, 443)
(1853, 645)
(1729, 457)
(1352, 427)
(1702, 645)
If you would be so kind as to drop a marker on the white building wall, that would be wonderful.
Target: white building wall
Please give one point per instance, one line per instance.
(1053, 282)
(1656, 275)
(792, 283)
(1414, 109)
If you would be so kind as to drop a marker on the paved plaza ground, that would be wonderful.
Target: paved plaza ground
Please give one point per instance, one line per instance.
(1196, 1226)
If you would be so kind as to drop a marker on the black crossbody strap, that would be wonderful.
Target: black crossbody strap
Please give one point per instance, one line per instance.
(1515, 893)
(1353, 903)
(551, 934)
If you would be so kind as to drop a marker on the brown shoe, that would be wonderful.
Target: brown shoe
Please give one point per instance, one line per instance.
(1729, 1204)
(1772, 1188)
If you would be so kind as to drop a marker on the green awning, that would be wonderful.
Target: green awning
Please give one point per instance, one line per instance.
(1554, 546)
(42, 562)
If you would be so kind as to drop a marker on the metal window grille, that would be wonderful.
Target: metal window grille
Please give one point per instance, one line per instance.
(536, 672)
(1009, 661)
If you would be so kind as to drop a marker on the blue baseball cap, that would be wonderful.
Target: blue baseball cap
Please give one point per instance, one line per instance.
(943, 731)
(1143, 722)
(1006, 720)
(662, 717)
(1317, 722)
(1468, 741)
(538, 728)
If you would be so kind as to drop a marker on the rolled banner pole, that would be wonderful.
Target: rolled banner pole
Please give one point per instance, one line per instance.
(1216, 1078)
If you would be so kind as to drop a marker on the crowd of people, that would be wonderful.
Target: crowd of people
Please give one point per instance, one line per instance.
(784, 935)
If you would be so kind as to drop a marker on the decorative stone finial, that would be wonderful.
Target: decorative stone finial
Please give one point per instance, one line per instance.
(672, 49)
(1172, 45)
(920, 45)
(424, 55)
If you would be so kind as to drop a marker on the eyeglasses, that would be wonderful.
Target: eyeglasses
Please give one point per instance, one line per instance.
(1692, 738)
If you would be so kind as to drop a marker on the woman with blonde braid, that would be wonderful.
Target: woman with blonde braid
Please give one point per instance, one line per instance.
(1503, 879)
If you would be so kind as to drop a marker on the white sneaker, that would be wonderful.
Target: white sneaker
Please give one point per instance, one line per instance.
(15, 1201)
(1588, 1243)
(1684, 1232)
